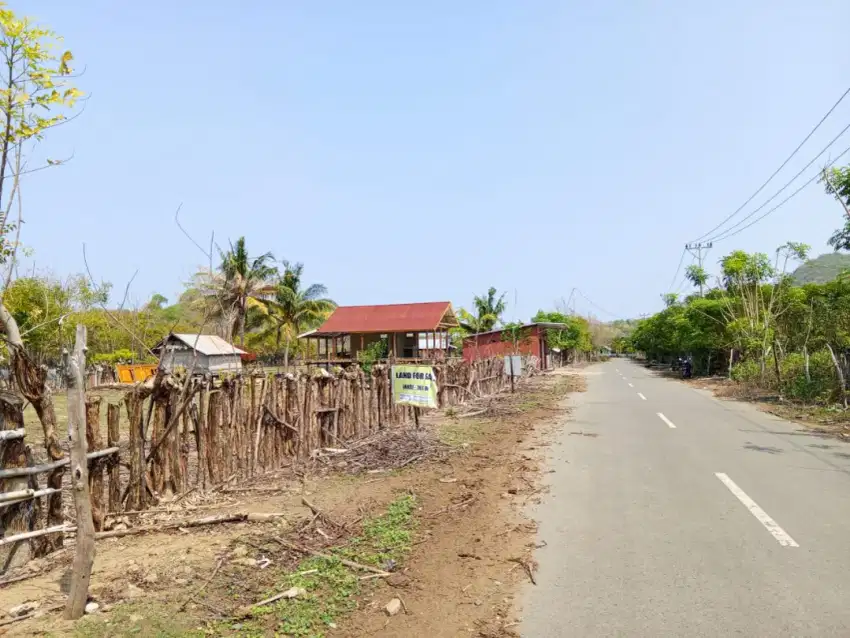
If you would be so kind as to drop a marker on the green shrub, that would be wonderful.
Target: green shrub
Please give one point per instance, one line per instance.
(121, 356)
(747, 371)
(821, 387)
(823, 384)
(371, 354)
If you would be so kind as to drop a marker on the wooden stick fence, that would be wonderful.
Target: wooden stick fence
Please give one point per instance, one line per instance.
(218, 429)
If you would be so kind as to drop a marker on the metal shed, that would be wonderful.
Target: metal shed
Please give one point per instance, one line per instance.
(214, 354)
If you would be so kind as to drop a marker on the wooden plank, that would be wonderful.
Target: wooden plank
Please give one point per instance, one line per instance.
(8, 498)
(46, 467)
(9, 435)
(101, 453)
(8, 540)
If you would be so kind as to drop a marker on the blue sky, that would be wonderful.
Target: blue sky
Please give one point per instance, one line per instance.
(422, 151)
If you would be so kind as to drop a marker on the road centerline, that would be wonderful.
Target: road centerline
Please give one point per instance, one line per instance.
(640, 394)
(770, 525)
(666, 420)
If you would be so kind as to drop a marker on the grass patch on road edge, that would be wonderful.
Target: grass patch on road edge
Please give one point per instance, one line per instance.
(332, 588)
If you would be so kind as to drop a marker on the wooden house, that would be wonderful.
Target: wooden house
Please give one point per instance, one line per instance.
(416, 331)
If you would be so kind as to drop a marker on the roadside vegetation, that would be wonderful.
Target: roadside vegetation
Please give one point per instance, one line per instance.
(759, 324)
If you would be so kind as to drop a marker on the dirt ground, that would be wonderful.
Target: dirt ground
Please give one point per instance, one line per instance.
(830, 420)
(440, 508)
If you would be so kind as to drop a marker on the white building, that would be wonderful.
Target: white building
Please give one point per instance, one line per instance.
(214, 354)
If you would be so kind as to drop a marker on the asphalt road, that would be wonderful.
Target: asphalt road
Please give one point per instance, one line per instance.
(672, 513)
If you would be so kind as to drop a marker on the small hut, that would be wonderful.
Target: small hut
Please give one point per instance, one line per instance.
(214, 354)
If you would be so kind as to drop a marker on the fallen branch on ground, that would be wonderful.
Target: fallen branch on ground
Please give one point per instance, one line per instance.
(526, 567)
(344, 561)
(452, 507)
(254, 517)
(204, 586)
(32, 614)
(320, 514)
(409, 461)
(292, 592)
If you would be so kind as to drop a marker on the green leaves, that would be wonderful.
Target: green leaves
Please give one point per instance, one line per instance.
(576, 335)
(488, 312)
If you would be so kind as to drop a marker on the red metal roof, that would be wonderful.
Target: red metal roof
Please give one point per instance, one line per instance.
(406, 317)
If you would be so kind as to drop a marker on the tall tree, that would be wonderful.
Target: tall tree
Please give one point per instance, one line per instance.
(34, 96)
(488, 312)
(240, 281)
(294, 308)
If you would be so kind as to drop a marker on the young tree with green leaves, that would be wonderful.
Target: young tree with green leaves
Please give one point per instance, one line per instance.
(35, 96)
(575, 337)
(698, 276)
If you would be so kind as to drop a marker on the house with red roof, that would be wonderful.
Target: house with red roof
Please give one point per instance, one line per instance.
(408, 331)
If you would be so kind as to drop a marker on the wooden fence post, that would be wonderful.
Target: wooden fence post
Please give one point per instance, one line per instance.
(94, 440)
(75, 366)
(137, 495)
(14, 518)
(113, 417)
(201, 440)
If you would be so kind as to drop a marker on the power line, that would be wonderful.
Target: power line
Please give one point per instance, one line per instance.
(678, 269)
(679, 289)
(776, 172)
(791, 181)
(728, 234)
(599, 308)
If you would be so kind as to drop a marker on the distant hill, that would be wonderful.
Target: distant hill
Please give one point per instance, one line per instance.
(821, 269)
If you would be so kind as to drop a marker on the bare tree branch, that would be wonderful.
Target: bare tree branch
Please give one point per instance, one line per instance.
(208, 255)
(127, 290)
(109, 314)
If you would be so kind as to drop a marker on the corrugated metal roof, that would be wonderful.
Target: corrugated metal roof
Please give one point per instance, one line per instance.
(541, 324)
(208, 344)
(409, 317)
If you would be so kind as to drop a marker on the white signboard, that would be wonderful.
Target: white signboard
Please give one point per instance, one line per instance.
(513, 365)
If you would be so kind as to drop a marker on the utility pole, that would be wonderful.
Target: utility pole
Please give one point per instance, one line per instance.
(697, 251)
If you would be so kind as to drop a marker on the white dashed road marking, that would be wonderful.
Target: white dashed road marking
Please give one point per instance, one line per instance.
(666, 420)
(641, 396)
(778, 533)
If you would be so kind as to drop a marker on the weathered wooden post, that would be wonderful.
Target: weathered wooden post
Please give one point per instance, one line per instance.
(94, 441)
(84, 557)
(113, 417)
(137, 495)
(14, 518)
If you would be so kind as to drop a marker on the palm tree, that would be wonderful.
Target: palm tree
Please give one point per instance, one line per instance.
(488, 312)
(293, 308)
(238, 283)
